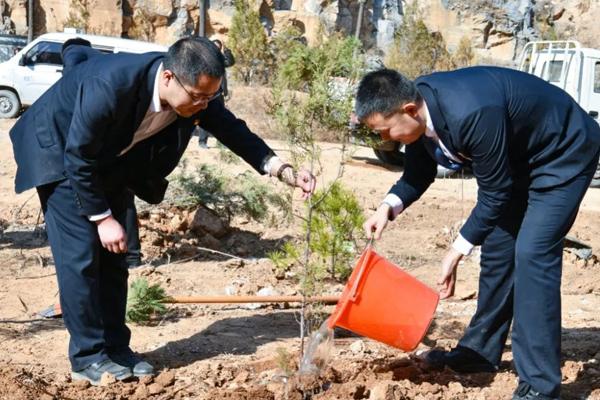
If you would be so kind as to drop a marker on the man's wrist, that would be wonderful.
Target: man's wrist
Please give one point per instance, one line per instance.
(386, 208)
(462, 245)
(100, 217)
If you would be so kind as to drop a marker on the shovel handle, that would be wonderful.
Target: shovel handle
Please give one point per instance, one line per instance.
(251, 299)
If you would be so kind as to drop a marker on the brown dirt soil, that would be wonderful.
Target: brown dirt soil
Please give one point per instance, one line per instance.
(236, 351)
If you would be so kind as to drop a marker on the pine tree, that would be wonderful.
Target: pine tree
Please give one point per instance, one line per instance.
(248, 42)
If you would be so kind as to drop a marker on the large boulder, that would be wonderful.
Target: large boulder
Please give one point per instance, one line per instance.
(204, 221)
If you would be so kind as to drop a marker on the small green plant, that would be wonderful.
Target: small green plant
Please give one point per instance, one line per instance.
(145, 301)
(227, 156)
(285, 257)
(248, 42)
(284, 361)
(227, 195)
(335, 228)
(336, 224)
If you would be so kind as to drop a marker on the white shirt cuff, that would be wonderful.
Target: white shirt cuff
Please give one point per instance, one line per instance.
(98, 217)
(462, 245)
(268, 166)
(395, 202)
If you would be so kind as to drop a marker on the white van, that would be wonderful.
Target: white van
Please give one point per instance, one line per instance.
(569, 66)
(31, 71)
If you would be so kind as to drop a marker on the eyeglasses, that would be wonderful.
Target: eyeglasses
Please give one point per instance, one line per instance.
(196, 99)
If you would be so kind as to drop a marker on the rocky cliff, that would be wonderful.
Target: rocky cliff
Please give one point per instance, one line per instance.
(497, 28)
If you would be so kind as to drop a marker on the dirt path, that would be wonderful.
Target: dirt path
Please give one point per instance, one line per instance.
(233, 352)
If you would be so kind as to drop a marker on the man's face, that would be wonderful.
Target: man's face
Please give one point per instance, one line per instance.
(405, 125)
(187, 100)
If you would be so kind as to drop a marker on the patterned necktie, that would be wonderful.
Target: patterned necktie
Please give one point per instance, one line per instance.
(436, 152)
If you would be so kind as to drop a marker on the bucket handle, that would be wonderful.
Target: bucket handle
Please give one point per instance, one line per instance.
(361, 271)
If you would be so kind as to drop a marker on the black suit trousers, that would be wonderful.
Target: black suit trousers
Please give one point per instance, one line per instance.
(92, 281)
(521, 267)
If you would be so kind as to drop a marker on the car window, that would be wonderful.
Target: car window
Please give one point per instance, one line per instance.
(44, 53)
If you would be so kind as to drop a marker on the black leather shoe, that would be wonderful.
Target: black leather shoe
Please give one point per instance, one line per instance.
(129, 359)
(525, 392)
(93, 373)
(460, 359)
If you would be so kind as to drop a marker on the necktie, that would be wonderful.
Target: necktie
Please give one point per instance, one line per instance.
(436, 152)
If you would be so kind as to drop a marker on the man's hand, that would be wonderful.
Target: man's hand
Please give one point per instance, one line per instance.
(112, 235)
(307, 182)
(447, 280)
(375, 225)
(302, 179)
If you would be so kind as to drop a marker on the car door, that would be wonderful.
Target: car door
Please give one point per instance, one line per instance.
(39, 69)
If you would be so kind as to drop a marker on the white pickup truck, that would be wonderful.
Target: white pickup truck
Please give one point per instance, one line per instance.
(573, 68)
(31, 71)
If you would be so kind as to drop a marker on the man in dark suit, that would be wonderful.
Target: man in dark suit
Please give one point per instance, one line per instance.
(533, 151)
(114, 125)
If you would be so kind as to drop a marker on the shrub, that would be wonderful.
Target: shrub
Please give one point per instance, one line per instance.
(248, 42)
(144, 301)
(243, 194)
(416, 51)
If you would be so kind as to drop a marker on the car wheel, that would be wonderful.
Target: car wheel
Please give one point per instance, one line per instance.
(393, 157)
(9, 104)
(443, 172)
(596, 179)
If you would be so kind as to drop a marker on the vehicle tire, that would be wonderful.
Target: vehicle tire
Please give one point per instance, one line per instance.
(393, 157)
(9, 104)
(443, 172)
(596, 179)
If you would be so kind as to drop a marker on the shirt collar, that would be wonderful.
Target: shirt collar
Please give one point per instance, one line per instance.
(429, 129)
(155, 105)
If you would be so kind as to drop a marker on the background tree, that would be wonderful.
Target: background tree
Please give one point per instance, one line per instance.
(248, 42)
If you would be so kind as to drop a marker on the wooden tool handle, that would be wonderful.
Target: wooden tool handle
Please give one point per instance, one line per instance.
(250, 299)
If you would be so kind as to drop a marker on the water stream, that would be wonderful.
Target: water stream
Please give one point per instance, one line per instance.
(318, 350)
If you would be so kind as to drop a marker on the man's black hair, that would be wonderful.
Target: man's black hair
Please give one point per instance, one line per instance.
(190, 57)
(383, 92)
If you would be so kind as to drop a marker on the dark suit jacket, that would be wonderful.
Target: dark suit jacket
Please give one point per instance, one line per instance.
(512, 125)
(77, 129)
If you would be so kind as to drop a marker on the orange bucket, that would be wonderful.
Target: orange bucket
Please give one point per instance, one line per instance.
(384, 303)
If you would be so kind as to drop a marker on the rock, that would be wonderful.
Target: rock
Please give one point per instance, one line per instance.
(408, 372)
(107, 379)
(46, 396)
(166, 378)
(204, 220)
(81, 384)
(177, 223)
(53, 390)
(141, 392)
(455, 388)
(146, 380)
(358, 347)
(155, 388)
(209, 241)
(429, 388)
(267, 291)
(242, 377)
(233, 263)
(593, 372)
(382, 391)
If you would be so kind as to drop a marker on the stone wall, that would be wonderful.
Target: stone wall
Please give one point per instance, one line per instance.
(496, 28)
